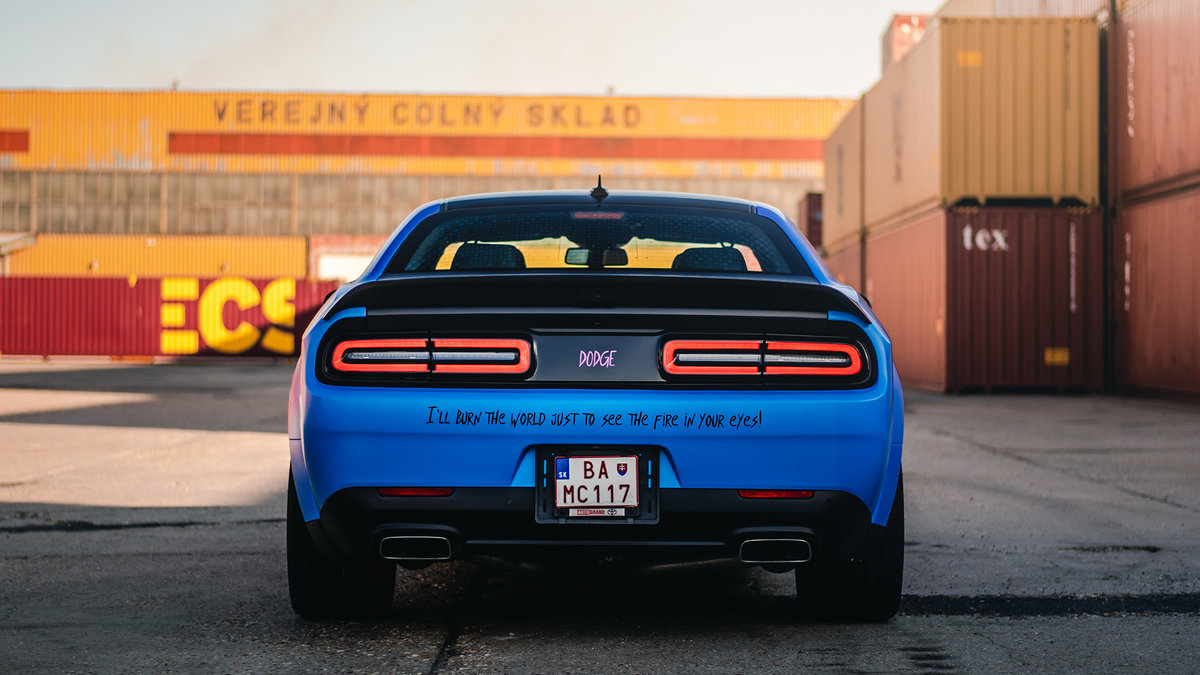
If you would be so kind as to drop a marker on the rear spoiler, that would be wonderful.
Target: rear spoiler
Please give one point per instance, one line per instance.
(444, 291)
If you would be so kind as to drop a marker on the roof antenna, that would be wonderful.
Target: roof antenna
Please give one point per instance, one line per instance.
(598, 193)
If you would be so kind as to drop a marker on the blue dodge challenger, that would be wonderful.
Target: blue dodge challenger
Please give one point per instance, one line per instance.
(573, 376)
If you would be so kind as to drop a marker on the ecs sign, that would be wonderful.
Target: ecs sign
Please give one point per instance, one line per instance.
(230, 315)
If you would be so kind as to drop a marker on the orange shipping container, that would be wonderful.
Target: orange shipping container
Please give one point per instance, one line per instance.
(985, 109)
(1158, 95)
(99, 256)
(842, 214)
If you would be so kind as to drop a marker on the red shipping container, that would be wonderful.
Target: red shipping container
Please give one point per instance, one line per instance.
(846, 265)
(1157, 82)
(992, 297)
(1158, 295)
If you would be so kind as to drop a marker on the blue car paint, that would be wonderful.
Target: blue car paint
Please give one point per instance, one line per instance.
(344, 436)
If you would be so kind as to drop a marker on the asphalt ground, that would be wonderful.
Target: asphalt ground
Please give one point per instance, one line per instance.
(141, 529)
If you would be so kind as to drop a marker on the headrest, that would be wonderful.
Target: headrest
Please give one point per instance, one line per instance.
(488, 257)
(710, 259)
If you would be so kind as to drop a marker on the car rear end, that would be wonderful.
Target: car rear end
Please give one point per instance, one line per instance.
(654, 399)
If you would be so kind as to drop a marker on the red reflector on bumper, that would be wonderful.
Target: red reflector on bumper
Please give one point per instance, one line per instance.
(775, 494)
(416, 491)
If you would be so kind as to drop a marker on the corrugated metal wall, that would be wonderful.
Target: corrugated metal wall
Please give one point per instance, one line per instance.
(177, 316)
(905, 278)
(263, 204)
(310, 133)
(1158, 77)
(843, 181)
(1158, 294)
(846, 265)
(101, 255)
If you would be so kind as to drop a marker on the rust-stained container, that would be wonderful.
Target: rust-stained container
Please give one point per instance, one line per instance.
(340, 256)
(1158, 295)
(811, 217)
(87, 255)
(1158, 95)
(846, 265)
(176, 316)
(985, 109)
(842, 207)
(992, 297)
(902, 33)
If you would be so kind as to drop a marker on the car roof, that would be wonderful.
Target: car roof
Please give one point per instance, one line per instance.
(614, 198)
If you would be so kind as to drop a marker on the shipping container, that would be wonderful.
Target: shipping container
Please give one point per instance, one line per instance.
(992, 298)
(985, 109)
(408, 134)
(1158, 95)
(902, 33)
(811, 216)
(846, 265)
(1158, 295)
(1023, 8)
(842, 203)
(174, 316)
(95, 255)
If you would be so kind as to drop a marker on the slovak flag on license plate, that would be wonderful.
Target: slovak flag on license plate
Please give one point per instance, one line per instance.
(622, 468)
(562, 468)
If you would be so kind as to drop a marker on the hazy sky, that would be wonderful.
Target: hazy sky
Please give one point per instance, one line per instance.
(803, 48)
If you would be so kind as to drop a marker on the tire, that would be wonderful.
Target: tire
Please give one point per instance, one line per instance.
(862, 591)
(321, 588)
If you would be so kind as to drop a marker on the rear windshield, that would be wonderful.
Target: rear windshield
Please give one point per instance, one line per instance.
(582, 238)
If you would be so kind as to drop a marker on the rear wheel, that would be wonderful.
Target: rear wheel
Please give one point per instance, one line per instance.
(321, 588)
(866, 590)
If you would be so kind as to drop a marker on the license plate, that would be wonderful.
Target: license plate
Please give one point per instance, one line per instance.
(596, 486)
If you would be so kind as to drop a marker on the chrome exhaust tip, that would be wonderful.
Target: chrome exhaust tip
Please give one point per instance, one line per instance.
(775, 551)
(415, 548)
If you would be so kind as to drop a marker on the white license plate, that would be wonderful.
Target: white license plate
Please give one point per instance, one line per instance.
(596, 486)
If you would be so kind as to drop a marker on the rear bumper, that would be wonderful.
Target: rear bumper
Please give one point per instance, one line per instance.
(694, 524)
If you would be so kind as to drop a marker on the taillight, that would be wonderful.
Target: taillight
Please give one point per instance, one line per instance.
(493, 356)
(509, 357)
(712, 357)
(757, 357)
(382, 356)
(811, 358)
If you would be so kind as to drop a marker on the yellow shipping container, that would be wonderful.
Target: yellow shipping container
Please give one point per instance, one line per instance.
(985, 109)
(102, 255)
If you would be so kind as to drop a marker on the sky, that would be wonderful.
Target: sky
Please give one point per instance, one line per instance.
(735, 48)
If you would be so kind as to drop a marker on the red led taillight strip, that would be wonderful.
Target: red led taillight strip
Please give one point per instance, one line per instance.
(485, 356)
(480, 351)
(380, 347)
(714, 349)
(853, 367)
